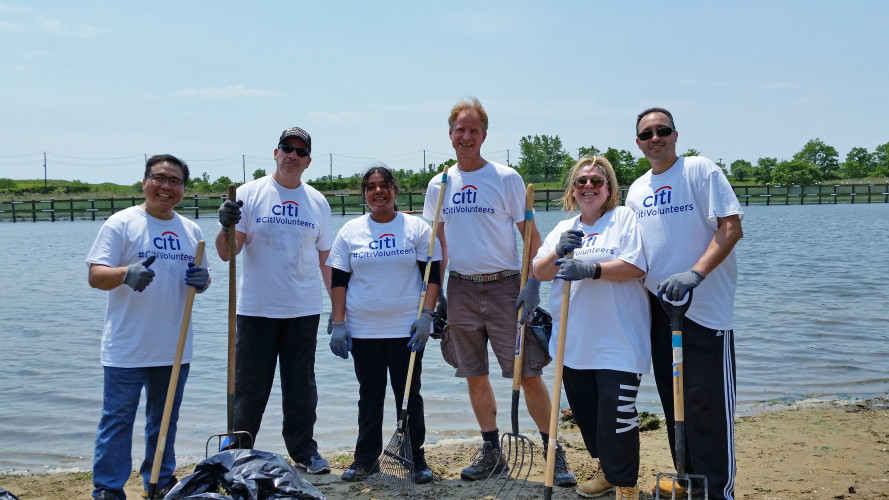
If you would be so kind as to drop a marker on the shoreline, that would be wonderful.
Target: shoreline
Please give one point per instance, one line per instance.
(815, 448)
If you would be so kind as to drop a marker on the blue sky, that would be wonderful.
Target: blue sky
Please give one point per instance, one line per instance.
(97, 85)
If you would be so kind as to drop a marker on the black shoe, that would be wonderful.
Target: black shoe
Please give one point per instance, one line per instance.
(360, 472)
(486, 461)
(561, 476)
(106, 495)
(162, 492)
(422, 473)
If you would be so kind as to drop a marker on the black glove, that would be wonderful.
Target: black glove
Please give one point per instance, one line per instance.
(441, 306)
(568, 241)
(138, 275)
(230, 213)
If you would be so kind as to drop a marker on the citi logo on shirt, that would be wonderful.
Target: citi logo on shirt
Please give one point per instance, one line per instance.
(287, 209)
(661, 196)
(167, 241)
(467, 195)
(383, 242)
(589, 240)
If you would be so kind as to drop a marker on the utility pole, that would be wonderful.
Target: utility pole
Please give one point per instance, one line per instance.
(44, 169)
(331, 166)
(507, 157)
(244, 168)
(424, 162)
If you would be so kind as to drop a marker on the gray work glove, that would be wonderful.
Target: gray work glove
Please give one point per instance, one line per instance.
(230, 213)
(568, 241)
(340, 340)
(676, 286)
(138, 275)
(420, 330)
(441, 305)
(197, 276)
(573, 270)
(529, 298)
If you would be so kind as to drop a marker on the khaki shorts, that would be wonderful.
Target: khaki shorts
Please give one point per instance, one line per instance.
(479, 313)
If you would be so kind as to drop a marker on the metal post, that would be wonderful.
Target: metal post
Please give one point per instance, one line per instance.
(44, 169)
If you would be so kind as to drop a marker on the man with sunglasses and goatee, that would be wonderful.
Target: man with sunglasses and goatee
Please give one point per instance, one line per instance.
(690, 220)
(283, 227)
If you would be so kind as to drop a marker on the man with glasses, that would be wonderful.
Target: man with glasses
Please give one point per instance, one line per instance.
(484, 204)
(285, 235)
(690, 220)
(150, 249)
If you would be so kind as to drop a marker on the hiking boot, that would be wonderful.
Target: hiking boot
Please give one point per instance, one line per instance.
(315, 464)
(422, 473)
(597, 487)
(668, 485)
(561, 476)
(359, 472)
(628, 492)
(486, 461)
(161, 492)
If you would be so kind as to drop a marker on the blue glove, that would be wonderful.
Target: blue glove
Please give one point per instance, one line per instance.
(230, 213)
(441, 305)
(138, 275)
(568, 241)
(529, 298)
(340, 340)
(573, 270)
(676, 286)
(420, 330)
(197, 276)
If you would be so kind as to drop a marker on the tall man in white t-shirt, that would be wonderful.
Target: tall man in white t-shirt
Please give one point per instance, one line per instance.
(285, 234)
(690, 219)
(484, 203)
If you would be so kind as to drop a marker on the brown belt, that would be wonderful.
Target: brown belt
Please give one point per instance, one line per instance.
(484, 278)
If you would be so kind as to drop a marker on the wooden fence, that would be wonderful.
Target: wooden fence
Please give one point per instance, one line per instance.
(353, 204)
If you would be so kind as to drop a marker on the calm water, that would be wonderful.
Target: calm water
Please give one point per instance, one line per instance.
(811, 320)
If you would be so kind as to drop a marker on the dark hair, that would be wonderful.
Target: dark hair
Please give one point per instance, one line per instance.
(382, 169)
(154, 160)
(654, 110)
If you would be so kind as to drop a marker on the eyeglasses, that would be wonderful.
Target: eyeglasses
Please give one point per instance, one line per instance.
(660, 131)
(287, 148)
(160, 179)
(595, 180)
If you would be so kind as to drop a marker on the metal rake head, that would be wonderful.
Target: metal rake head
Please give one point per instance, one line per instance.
(681, 481)
(518, 451)
(397, 465)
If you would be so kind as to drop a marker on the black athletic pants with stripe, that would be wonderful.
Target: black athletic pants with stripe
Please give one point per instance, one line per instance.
(709, 380)
(604, 406)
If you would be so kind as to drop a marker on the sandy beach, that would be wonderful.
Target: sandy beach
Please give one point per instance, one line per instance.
(809, 450)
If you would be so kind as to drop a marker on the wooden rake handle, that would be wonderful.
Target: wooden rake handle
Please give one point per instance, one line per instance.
(557, 391)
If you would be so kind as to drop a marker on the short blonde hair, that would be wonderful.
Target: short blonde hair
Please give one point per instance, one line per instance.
(569, 204)
(472, 105)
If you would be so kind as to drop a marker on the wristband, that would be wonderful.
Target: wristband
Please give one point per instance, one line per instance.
(429, 312)
(598, 272)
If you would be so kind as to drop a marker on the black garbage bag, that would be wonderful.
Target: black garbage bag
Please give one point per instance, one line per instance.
(244, 475)
(5, 495)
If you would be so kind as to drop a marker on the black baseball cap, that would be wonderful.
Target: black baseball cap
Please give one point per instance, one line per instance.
(298, 133)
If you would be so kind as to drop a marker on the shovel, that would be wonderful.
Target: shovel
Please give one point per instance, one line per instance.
(174, 381)
(231, 436)
(517, 449)
(681, 478)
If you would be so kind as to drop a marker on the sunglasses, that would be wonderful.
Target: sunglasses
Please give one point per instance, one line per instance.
(287, 148)
(595, 180)
(160, 179)
(660, 131)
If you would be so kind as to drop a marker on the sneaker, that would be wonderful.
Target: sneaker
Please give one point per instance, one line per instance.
(359, 472)
(108, 495)
(161, 492)
(628, 492)
(486, 461)
(315, 464)
(561, 476)
(667, 486)
(422, 473)
(597, 487)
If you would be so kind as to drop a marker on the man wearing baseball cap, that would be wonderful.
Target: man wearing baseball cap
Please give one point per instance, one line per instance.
(283, 227)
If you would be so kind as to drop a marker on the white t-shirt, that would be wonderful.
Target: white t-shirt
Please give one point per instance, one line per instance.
(285, 228)
(142, 328)
(383, 296)
(608, 322)
(676, 212)
(480, 210)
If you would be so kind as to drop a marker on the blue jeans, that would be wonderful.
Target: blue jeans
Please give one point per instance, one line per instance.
(112, 463)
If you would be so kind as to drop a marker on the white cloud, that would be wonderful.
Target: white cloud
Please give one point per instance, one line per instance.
(10, 27)
(59, 28)
(228, 92)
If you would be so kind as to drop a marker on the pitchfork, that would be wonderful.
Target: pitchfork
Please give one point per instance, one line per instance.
(676, 313)
(516, 448)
